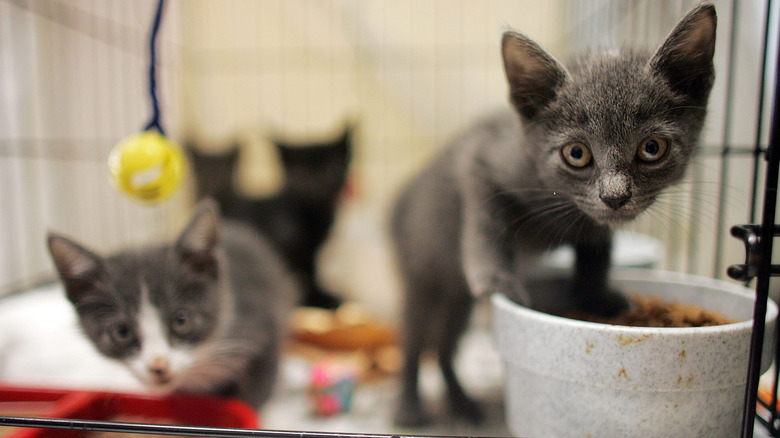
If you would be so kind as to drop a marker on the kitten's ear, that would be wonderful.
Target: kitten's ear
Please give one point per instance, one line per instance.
(234, 153)
(78, 268)
(197, 244)
(534, 75)
(685, 58)
(345, 141)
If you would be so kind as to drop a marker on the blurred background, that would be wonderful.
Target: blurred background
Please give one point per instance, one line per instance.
(408, 74)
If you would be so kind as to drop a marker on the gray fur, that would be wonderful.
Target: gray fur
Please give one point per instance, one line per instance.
(501, 193)
(235, 291)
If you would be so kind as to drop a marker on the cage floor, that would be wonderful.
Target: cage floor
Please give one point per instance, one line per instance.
(56, 355)
(374, 403)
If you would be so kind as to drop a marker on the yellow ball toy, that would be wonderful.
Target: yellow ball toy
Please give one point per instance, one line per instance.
(147, 166)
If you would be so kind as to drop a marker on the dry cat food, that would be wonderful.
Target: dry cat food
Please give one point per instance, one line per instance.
(655, 312)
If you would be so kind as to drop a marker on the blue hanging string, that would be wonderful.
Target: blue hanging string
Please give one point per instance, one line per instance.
(154, 123)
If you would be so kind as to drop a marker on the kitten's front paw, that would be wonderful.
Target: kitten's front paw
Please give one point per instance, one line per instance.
(607, 303)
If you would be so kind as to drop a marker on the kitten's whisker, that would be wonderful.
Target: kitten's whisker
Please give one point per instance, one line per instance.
(548, 218)
(683, 202)
(679, 107)
(673, 214)
(540, 211)
(665, 222)
(578, 221)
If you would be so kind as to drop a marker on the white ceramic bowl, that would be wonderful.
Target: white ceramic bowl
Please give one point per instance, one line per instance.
(569, 378)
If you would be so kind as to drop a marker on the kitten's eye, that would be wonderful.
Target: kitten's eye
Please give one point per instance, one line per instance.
(652, 149)
(181, 323)
(122, 334)
(576, 154)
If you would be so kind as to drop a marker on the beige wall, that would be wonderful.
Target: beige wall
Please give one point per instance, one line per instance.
(411, 73)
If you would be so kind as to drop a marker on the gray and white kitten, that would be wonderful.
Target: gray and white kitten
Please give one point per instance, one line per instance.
(206, 314)
(590, 146)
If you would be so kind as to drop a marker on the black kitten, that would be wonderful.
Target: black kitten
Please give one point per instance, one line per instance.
(298, 218)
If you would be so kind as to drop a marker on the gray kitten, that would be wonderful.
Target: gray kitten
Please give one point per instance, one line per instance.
(590, 146)
(205, 314)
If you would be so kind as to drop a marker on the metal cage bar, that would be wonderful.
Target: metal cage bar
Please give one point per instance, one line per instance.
(759, 243)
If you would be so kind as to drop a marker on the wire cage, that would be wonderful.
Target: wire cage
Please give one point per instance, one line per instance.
(763, 270)
(412, 73)
(758, 243)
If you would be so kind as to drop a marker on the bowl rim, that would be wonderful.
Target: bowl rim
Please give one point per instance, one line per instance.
(503, 303)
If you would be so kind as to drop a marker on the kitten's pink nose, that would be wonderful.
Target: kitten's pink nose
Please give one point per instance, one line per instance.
(160, 369)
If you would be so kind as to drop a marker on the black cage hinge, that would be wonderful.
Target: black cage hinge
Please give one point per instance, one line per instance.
(751, 235)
